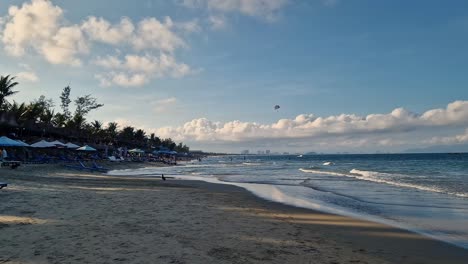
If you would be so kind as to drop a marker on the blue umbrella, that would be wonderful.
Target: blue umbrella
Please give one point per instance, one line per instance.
(23, 143)
(8, 142)
(86, 148)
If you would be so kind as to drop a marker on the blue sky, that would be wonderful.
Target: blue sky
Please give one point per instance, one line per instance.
(203, 64)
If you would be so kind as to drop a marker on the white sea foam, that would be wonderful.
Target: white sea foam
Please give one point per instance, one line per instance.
(378, 177)
(252, 163)
(322, 172)
(328, 163)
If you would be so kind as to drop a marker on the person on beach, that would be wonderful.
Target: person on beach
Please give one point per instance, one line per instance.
(4, 154)
(162, 176)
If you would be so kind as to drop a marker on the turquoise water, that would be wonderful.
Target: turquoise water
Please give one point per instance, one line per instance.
(425, 193)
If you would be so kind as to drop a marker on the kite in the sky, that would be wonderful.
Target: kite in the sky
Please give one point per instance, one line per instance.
(277, 107)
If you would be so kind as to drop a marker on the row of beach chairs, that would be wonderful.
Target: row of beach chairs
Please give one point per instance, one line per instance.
(93, 168)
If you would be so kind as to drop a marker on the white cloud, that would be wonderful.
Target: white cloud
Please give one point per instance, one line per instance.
(309, 126)
(27, 76)
(135, 70)
(64, 46)
(38, 26)
(99, 29)
(265, 9)
(30, 24)
(457, 139)
(123, 79)
(153, 34)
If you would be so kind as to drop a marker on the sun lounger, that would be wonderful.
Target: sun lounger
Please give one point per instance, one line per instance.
(82, 166)
(112, 158)
(97, 167)
(2, 184)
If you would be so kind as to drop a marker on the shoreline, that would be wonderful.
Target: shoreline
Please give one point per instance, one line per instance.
(201, 223)
(323, 208)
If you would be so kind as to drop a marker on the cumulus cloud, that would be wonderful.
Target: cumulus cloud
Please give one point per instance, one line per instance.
(158, 35)
(40, 26)
(265, 9)
(135, 70)
(99, 29)
(37, 26)
(457, 139)
(64, 46)
(311, 126)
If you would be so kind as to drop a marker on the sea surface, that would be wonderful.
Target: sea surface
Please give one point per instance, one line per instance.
(424, 193)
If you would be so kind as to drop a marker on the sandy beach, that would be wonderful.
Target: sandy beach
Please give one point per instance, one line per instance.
(49, 214)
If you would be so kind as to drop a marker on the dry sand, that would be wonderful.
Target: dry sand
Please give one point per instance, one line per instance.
(52, 215)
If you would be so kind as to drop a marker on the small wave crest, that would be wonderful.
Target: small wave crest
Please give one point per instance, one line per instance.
(251, 163)
(328, 163)
(322, 172)
(377, 177)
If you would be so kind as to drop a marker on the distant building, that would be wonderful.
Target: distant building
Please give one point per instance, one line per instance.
(285, 153)
(245, 152)
(267, 151)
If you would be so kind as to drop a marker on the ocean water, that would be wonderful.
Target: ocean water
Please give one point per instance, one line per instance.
(424, 193)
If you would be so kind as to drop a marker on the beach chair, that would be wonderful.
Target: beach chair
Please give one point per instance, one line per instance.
(99, 168)
(2, 184)
(82, 166)
(113, 159)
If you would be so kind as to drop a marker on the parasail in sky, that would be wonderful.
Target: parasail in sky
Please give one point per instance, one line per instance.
(277, 107)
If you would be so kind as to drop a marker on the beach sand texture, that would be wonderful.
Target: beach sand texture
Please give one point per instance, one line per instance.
(52, 215)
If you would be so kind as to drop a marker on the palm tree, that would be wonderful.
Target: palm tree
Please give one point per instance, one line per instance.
(6, 89)
(18, 111)
(97, 130)
(112, 130)
(59, 120)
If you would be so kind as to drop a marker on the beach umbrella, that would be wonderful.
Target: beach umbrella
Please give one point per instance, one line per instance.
(58, 144)
(23, 144)
(86, 148)
(42, 144)
(71, 145)
(8, 142)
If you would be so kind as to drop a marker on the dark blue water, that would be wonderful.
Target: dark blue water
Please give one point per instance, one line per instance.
(426, 193)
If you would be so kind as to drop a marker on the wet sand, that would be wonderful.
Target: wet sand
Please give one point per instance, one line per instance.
(49, 214)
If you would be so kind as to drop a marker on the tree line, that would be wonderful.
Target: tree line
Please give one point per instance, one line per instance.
(39, 118)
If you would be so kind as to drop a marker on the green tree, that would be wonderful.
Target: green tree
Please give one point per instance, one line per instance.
(140, 135)
(18, 111)
(85, 104)
(6, 89)
(127, 133)
(112, 130)
(59, 120)
(97, 129)
(65, 102)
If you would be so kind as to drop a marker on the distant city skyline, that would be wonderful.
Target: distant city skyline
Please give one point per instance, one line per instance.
(348, 76)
